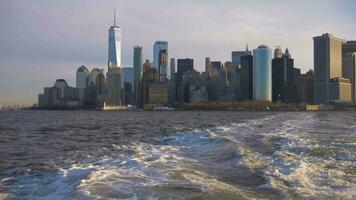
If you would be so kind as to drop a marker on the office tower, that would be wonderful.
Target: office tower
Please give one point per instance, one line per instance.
(100, 90)
(306, 88)
(262, 73)
(349, 71)
(82, 81)
(278, 52)
(172, 93)
(114, 45)
(340, 90)
(216, 65)
(157, 48)
(327, 65)
(246, 81)
(173, 68)
(185, 65)
(127, 75)
(128, 97)
(158, 94)
(348, 48)
(114, 72)
(236, 56)
(283, 87)
(150, 75)
(93, 74)
(163, 64)
(208, 68)
(113, 86)
(137, 62)
(228, 70)
(127, 83)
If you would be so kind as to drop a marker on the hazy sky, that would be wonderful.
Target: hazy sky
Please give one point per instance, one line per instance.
(42, 40)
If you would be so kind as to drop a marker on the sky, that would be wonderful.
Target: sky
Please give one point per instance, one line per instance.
(43, 40)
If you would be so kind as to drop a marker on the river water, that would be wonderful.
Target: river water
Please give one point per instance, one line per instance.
(177, 155)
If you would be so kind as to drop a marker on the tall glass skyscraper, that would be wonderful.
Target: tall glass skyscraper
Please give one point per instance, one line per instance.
(262, 73)
(114, 46)
(137, 64)
(82, 81)
(114, 63)
(159, 48)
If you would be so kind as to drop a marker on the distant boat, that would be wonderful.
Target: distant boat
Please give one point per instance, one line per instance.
(163, 109)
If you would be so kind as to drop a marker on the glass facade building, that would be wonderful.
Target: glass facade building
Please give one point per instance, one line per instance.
(262, 73)
(114, 46)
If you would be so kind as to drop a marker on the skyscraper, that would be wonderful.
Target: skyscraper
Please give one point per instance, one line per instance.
(236, 56)
(348, 48)
(185, 65)
(208, 68)
(283, 87)
(349, 71)
(82, 81)
(114, 72)
(163, 64)
(114, 45)
(327, 65)
(262, 73)
(137, 62)
(157, 48)
(173, 68)
(246, 81)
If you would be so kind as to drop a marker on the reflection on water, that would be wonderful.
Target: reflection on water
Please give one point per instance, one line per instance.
(177, 155)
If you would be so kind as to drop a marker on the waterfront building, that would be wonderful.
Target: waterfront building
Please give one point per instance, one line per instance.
(60, 95)
(217, 82)
(185, 65)
(163, 65)
(173, 68)
(188, 90)
(306, 88)
(349, 71)
(137, 62)
(262, 73)
(82, 82)
(158, 94)
(348, 48)
(340, 90)
(114, 63)
(172, 93)
(93, 74)
(216, 65)
(113, 86)
(127, 75)
(327, 65)
(236, 56)
(284, 88)
(114, 45)
(208, 67)
(246, 82)
(157, 48)
(228, 70)
(127, 83)
(128, 94)
(150, 75)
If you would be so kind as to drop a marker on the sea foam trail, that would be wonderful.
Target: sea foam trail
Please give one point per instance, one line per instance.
(278, 156)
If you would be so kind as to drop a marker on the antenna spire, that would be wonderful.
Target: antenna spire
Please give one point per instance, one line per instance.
(114, 16)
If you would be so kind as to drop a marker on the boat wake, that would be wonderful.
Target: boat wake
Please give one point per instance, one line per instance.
(279, 156)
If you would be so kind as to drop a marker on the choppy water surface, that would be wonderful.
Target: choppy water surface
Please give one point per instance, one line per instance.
(177, 155)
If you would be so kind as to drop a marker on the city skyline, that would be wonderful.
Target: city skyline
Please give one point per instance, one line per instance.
(29, 61)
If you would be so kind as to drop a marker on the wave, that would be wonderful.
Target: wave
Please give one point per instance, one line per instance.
(278, 156)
